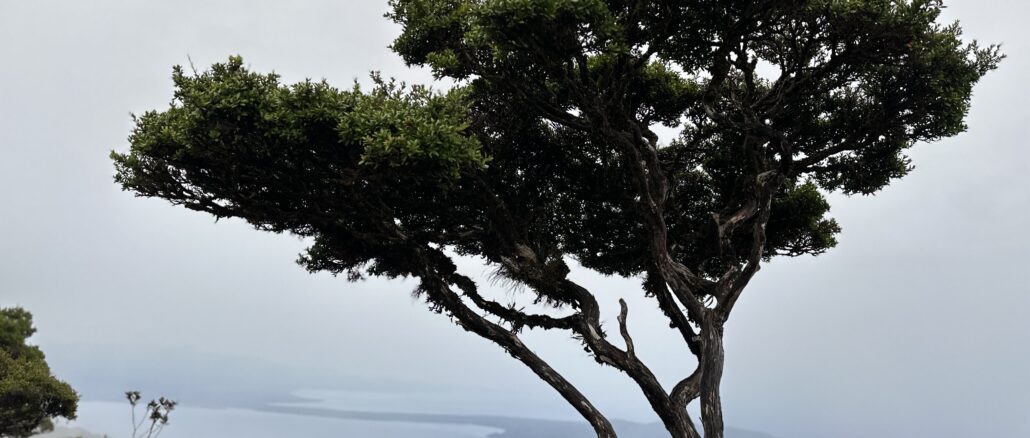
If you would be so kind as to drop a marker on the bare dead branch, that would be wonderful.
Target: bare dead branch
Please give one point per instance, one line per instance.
(623, 329)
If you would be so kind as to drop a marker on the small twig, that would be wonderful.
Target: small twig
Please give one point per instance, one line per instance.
(192, 67)
(135, 427)
(150, 432)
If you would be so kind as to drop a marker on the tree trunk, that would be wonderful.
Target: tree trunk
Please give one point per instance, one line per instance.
(712, 359)
(679, 425)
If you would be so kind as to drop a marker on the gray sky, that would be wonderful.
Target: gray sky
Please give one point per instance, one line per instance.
(914, 326)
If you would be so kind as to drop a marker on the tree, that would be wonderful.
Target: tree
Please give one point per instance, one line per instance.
(545, 152)
(30, 396)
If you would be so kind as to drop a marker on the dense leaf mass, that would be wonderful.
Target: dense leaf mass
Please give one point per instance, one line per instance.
(855, 84)
(29, 394)
(545, 150)
(307, 158)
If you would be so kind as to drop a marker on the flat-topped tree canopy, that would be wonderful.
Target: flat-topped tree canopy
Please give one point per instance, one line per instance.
(848, 86)
(545, 150)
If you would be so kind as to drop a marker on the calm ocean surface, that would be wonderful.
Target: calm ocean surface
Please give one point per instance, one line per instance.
(113, 419)
(355, 414)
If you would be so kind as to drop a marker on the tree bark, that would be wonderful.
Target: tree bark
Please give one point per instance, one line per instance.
(677, 422)
(712, 359)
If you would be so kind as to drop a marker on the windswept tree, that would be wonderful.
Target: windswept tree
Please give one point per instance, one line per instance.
(30, 396)
(545, 151)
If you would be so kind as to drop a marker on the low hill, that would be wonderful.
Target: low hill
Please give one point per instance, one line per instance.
(67, 432)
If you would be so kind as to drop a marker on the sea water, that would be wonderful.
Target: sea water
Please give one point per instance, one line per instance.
(114, 420)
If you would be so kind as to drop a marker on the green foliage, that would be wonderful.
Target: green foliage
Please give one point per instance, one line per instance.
(398, 126)
(798, 223)
(29, 394)
(860, 82)
(15, 328)
(230, 108)
(300, 158)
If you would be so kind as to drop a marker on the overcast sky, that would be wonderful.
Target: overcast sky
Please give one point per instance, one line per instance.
(915, 325)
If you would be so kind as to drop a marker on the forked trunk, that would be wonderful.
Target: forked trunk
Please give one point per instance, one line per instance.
(676, 419)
